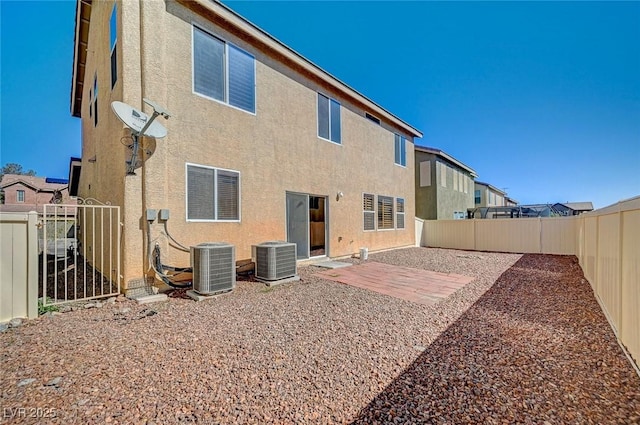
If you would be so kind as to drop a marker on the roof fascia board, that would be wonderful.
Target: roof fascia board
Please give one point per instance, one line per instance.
(230, 17)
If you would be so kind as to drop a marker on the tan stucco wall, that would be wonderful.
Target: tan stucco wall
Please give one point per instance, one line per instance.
(104, 179)
(276, 150)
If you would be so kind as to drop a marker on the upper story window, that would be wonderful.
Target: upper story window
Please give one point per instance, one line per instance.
(223, 72)
(113, 38)
(93, 100)
(400, 150)
(478, 196)
(20, 196)
(372, 118)
(213, 194)
(329, 119)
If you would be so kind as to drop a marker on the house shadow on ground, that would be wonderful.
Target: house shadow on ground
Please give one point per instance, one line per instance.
(535, 347)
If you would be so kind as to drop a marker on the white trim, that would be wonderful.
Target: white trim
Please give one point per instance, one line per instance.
(215, 179)
(226, 71)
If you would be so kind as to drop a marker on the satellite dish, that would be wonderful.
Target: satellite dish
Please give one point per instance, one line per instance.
(137, 120)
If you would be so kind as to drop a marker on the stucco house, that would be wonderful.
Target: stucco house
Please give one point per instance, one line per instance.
(572, 208)
(262, 144)
(444, 185)
(24, 193)
(487, 195)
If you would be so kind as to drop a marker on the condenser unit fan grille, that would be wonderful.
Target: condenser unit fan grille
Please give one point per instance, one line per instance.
(275, 260)
(213, 268)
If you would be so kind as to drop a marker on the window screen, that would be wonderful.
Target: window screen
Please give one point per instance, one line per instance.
(223, 72)
(212, 194)
(329, 119)
(241, 80)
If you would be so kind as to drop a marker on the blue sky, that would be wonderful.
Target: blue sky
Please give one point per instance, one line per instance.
(540, 98)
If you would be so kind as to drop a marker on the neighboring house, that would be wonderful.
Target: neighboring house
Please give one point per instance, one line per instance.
(486, 195)
(262, 144)
(510, 202)
(29, 193)
(444, 185)
(573, 208)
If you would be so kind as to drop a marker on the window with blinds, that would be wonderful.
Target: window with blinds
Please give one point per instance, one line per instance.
(385, 212)
(223, 72)
(369, 212)
(443, 174)
(399, 213)
(212, 194)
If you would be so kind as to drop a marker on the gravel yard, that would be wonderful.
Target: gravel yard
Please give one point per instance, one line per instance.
(534, 347)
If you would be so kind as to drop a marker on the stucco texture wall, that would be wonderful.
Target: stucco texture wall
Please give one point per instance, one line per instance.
(276, 150)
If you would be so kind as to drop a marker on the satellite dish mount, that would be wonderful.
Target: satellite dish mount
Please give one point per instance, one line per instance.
(141, 125)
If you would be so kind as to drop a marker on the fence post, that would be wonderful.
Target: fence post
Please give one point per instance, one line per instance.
(32, 265)
(620, 269)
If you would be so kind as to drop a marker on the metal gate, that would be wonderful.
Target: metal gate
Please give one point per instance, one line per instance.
(79, 248)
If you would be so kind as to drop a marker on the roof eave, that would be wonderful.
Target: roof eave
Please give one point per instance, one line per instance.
(448, 157)
(83, 13)
(232, 18)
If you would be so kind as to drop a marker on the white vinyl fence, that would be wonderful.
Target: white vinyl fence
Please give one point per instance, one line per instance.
(18, 265)
(606, 242)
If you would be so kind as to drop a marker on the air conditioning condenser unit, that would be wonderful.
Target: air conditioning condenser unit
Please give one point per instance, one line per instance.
(275, 260)
(214, 267)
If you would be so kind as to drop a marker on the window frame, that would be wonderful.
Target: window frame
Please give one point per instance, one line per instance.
(113, 56)
(403, 149)
(93, 100)
(399, 213)
(215, 198)
(477, 196)
(372, 211)
(372, 118)
(379, 211)
(18, 193)
(330, 99)
(226, 43)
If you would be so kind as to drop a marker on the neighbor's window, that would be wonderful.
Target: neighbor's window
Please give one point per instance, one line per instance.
(425, 173)
(443, 174)
(113, 35)
(20, 196)
(478, 197)
(213, 194)
(385, 212)
(368, 206)
(329, 119)
(223, 72)
(399, 213)
(400, 150)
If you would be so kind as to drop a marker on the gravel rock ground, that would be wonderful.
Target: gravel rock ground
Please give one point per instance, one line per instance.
(536, 348)
(316, 351)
